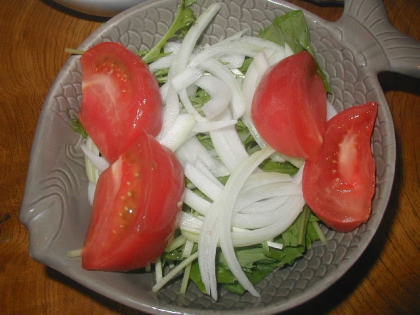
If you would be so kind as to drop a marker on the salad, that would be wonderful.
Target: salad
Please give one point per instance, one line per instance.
(217, 162)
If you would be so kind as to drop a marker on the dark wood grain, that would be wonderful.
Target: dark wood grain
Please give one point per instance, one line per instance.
(34, 33)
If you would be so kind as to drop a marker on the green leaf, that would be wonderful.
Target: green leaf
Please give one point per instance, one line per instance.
(200, 98)
(295, 235)
(287, 255)
(195, 276)
(76, 125)
(184, 19)
(292, 29)
(247, 256)
(205, 140)
(284, 168)
(161, 75)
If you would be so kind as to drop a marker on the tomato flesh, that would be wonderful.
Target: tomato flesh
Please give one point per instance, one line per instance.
(120, 97)
(289, 108)
(340, 184)
(135, 209)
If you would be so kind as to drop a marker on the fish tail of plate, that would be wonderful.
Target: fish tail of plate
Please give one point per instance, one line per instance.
(365, 27)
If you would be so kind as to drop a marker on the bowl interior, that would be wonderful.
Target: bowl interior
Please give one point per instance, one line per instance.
(56, 210)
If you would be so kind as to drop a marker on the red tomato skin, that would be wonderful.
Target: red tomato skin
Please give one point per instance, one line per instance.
(136, 208)
(340, 185)
(120, 97)
(289, 108)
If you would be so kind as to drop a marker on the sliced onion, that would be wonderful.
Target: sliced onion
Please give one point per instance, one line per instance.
(190, 40)
(203, 169)
(179, 132)
(185, 78)
(261, 178)
(190, 223)
(185, 100)
(207, 248)
(192, 150)
(233, 61)
(165, 62)
(228, 145)
(267, 191)
(246, 237)
(225, 204)
(206, 126)
(99, 164)
(91, 192)
(262, 207)
(257, 219)
(257, 236)
(224, 48)
(196, 202)
(206, 185)
(222, 72)
(331, 111)
(260, 42)
(220, 95)
(170, 111)
(162, 63)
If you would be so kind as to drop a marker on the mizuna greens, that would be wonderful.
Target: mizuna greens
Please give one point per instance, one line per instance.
(243, 214)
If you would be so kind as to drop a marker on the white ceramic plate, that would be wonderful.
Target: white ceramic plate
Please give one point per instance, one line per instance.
(55, 207)
(105, 8)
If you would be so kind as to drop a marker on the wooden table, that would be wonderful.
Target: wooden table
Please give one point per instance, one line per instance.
(34, 33)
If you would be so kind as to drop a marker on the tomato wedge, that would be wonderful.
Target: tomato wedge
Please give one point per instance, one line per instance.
(120, 98)
(135, 210)
(340, 185)
(289, 108)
